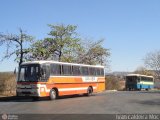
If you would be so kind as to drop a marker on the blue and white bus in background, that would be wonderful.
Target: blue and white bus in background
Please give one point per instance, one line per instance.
(138, 82)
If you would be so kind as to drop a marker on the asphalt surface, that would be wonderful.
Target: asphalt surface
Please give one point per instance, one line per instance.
(108, 102)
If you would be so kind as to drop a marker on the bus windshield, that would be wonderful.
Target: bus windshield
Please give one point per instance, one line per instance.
(131, 79)
(29, 73)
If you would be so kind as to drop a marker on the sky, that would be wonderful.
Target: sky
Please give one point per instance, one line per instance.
(130, 28)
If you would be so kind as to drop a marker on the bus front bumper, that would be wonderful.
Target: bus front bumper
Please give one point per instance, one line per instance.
(28, 92)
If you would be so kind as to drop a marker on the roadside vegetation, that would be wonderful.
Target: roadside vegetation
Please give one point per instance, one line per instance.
(7, 84)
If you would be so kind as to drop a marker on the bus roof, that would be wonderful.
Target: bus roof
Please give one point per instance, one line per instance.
(139, 75)
(45, 61)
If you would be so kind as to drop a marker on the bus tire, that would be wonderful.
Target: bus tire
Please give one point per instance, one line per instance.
(17, 95)
(140, 88)
(53, 94)
(89, 91)
(35, 98)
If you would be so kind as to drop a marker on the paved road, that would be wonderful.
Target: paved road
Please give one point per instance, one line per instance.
(119, 102)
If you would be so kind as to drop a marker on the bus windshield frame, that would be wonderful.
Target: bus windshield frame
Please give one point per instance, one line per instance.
(29, 73)
(132, 79)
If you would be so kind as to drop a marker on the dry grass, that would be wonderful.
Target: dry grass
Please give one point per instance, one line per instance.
(114, 83)
(7, 84)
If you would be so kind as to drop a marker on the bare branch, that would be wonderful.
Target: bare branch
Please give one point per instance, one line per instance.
(16, 42)
(152, 61)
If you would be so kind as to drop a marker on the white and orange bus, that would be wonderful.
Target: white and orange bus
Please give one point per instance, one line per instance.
(52, 79)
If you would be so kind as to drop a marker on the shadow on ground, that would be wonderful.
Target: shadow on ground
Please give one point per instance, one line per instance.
(152, 92)
(15, 99)
(30, 99)
(147, 102)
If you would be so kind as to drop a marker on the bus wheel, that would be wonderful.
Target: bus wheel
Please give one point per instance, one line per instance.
(35, 98)
(89, 91)
(147, 89)
(53, 94)
(17, 95)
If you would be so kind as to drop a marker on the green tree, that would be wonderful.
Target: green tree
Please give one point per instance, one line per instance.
(65, 45)
(41, 50)
(65, 40)
(93, 53)
(16, 45)
(62, 43)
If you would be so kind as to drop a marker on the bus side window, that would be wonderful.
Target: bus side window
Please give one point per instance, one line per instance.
(98, 72)
(150, 80)
(138, 79)
(147, 79)
(142, 79)
(66, 70)
(55, 69)
(76, 70)
(95, 72)
(45, 72)
(85, 71)
(91, 71)
(102, 72)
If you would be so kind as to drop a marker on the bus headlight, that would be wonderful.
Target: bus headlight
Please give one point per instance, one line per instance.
(34, 87)
(18, 87)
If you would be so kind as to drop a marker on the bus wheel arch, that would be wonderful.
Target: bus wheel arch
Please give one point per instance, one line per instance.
(53, 94)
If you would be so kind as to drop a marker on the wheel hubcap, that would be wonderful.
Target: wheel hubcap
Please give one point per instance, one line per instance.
(53, 94)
